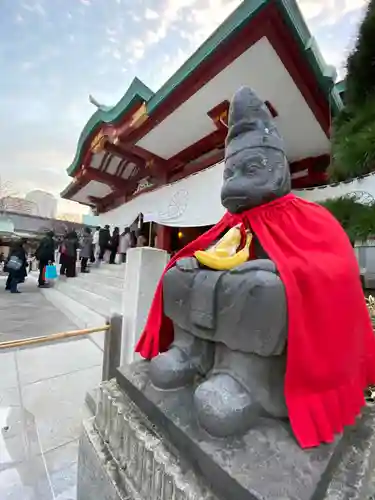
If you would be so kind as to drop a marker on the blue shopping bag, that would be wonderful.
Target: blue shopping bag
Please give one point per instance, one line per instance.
(51, 273)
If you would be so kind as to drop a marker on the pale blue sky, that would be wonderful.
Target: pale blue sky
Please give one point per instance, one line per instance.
(54, 53)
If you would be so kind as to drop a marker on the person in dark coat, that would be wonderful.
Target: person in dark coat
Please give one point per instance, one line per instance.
(114, 244)
(125, 244)
(104, 240)
(62, 255)
(16, 267)
(133, 239)
(45, 253)
(86, 249)
(71, 246)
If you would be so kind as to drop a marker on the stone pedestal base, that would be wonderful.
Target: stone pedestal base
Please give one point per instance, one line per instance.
(95, 470)
(264, 464)
(123, 457)
(144, 444)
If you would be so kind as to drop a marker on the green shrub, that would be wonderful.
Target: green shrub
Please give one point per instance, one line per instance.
(357, 220)
(360, 79)
(353, 131)
(353, 144)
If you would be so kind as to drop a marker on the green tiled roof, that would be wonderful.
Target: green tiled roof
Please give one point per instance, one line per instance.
(137, 92)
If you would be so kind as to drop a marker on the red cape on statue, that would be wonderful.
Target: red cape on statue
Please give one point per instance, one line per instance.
(331, 344)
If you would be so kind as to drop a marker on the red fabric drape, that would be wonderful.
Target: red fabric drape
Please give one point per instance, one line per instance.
(331, 345)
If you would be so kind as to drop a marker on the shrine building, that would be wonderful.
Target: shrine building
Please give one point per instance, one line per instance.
(161, 154)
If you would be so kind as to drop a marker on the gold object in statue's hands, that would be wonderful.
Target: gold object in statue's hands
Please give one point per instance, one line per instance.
(225, 254)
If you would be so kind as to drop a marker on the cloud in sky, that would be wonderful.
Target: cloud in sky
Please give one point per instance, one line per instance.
(54, 54)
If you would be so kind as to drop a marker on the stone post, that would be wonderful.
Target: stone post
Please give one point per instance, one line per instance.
(112, 348)
(144, 267)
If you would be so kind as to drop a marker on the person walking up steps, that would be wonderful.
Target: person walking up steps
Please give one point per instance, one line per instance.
(86, 249)
(16, 267)
(71, 249)
(125, 244)
(104, 238)
(62, 252)
(45, 253)
(95, 244)
(114, 244)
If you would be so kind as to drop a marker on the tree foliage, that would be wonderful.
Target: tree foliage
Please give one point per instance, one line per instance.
(353, 134)
(360, 80)
(353, 144)
(357, 219)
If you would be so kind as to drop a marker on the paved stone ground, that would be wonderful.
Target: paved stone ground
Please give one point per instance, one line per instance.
(42, 392)
(29, 314)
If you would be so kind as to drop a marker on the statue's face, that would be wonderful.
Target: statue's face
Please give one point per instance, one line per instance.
(254, 176)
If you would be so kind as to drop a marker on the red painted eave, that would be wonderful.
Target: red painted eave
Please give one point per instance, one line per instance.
(71, 190)
(267, 23)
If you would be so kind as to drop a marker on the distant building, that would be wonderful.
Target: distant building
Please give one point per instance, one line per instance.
(92, 220)
(18, 205)
(70, 217)
(45, 203)
(16, 225)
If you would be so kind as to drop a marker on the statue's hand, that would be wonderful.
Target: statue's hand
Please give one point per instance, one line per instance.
(187, 264)
(255, 265)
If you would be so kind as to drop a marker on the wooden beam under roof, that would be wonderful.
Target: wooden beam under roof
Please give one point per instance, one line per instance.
(198, 165)
(205, 145)
(122, 152)
(105, 178)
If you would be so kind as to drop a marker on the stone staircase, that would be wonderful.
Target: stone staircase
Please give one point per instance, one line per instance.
(89, 299)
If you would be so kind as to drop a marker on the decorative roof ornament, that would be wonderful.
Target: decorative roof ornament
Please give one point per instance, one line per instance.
(142, 185)
(101, 107)
(139, 116)
(97, 144)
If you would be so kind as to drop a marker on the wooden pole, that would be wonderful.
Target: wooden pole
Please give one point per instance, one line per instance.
(50, 338)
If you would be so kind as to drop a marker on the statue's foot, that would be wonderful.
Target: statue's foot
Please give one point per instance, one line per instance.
(179, 366)
(225, 408)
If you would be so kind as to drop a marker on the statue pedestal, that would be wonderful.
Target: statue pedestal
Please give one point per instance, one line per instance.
(145, 444)
(266, 463)
(122, 456)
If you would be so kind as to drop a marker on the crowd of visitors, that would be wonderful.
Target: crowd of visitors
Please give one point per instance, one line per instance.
(96, 247)
(115, 244)
(90, 247)
(93, 248)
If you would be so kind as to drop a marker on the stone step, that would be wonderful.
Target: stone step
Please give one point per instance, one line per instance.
(102, 278)
(94, 283)
(91, 299)
(117, 270)
(82, 316)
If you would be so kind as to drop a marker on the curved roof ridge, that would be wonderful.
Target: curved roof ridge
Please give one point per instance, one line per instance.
(137, 92)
